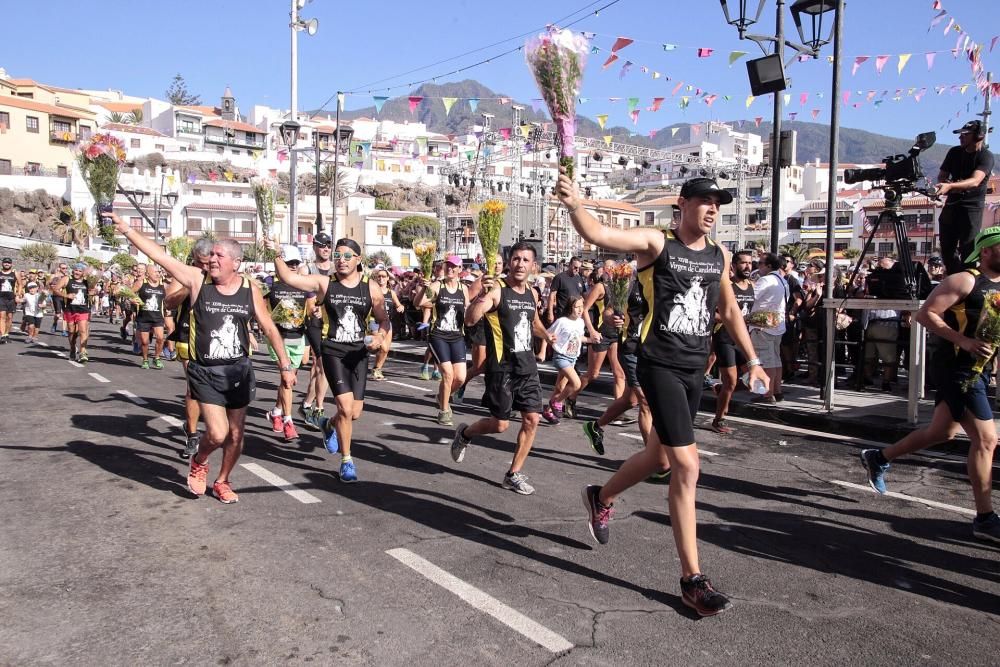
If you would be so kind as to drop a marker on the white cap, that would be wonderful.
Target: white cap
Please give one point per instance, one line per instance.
(291, 253)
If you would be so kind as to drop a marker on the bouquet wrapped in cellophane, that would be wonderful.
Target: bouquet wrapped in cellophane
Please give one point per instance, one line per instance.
(287, 314)
(489, 224)
(425, 250)
(617, 286)
(101, 159)
(988, 331)
(556, 59)
(127, 294)
(764, 319)
(264, 190)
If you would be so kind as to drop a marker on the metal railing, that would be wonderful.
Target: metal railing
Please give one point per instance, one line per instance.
(62, 136)
(233, 141)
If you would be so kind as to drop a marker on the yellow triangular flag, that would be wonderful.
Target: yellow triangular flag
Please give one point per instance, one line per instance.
(963, 89)
(656, 75)
(448, 103)
(602, 120)
(229, 176)
(525, 130)
(673, 131)
(750, 99)
(607, 139)
(903, 59)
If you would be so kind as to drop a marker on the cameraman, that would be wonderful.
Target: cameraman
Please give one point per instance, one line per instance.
(963, 178)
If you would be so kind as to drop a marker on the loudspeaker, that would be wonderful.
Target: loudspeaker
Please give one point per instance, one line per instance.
(767, 75)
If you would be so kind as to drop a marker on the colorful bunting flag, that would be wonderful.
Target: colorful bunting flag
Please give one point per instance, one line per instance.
(414, 101)
(669, 47)
(903, 59)
(951, 22)
(656, 75)
(792, 115)
(379, 101)
(607, 139)
(684, 102)
(449, 102)
(756, 121)
(673, 131)
(602, 120)
(787, 99)
(473, 103)
(633, 103)
(815, 113)
(705, 52)
(750, 99)
(657, 102)
(620, 44)
(652, 133)
(858, 62)
(930, 59)
(607, 63)
(676, 88)
(635, 116)
(880, 62)
(525, 130)
(709, 99)
(505, 132)
(735, 55)
(625, 68)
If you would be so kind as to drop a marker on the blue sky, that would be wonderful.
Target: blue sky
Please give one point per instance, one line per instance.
(140, 45)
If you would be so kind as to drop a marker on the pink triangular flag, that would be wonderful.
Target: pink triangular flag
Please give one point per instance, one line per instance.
(951, 22)
(937, 4)
(635, 116)
(696, 130)
(871, 95)
(607, 63)
(620, 44)
(815, 113)
(705, 52)
(710, 99)
(993, 42)
(757, 120)
(858, 62)
(847, 96)
(652, 133)
(676, 88)
(414, 101)
(930, 59)
(657, 102)
(505, 132)
(919, 95)
(880, 62)
(803, 98)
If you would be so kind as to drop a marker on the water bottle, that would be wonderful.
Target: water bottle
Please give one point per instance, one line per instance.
(758, 387)
(372, 327)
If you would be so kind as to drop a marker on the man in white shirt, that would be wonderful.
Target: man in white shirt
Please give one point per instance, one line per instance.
(767, 322)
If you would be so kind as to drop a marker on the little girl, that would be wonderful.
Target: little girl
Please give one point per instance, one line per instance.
(569, 332)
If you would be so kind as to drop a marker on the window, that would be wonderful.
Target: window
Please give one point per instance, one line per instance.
(62, 172)
(926, 218)
(220, 150)
(135, 143)
(4, 120)
(194, 224)
(729, 219)
(816, 221)
(885, 248)
(246, 226)
(909, 219)
(755, 192)
(5, 167)
(33, 168)
(650, 217)
(236, 152)
(381, 230)
(159, 147)
(61, 126)
(221, 226)
(794, 223)
(237, 194)
(85, 132)
(926, 247)
(430, 169)
(135, 222)
(196, 192)
(841, 246)
(32, 124)
(843, 221)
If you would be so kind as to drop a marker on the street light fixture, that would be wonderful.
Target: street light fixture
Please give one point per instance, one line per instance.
(815, 10)
(743, 21)
(343, 134)
(290, 133)
(297, 25)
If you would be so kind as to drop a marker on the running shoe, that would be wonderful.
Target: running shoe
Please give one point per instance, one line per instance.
(876, 471)
(348, 473)
(659, 477)
(549, 415)
(598, 515)
(145, 365)
(721, 427)
(330, 437)
(459, 396)
(123, 333)
(190, 446)
(459, 444)
(198, 477)
(569, 408)
(518, 483)
(377, 374)
(276, 421)
(64, 334)
(317, 419)
(135, 347)
(157, 364)
(445, 418)
(288, 428)
(225, 493)
(436, 375)
(425, 373)
(697, 592)
(83, 357)
(595, 435)
(624, 420)
(988, 529)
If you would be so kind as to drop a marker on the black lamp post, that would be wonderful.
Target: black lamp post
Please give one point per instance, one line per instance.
(815, 10)
(743, 20)
(343, 134)
(289, 136)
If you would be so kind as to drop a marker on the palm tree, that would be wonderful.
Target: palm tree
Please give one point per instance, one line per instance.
(134, 117)
(72, 227)
(326, 183)
(117, 117)
(797, 251)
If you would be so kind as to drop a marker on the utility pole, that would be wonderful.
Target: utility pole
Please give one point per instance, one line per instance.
(779, 48)
(293, 208)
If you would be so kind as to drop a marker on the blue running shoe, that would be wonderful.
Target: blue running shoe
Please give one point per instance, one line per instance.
(330, 438)
(348, 474)
(876, 470)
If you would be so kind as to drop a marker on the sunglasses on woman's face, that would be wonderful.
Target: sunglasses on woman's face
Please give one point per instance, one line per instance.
(344, 255)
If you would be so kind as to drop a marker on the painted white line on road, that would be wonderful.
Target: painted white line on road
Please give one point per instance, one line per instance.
(61, 354)
(75, 364)
(700, 450)
(173, 421)
(287, 487)
(912, 499)
(800, 431)
(129, 395)
(98, 377)
(408, 386)
(483, 602)
(43, 344)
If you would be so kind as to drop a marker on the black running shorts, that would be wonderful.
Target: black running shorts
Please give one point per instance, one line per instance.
(727, 355)
(668, 392)
(57, 304)
(476, 334)
(448, 351)
(7, 305)
(232, 386)
(506, 392)
(147, 325)
(347, 373)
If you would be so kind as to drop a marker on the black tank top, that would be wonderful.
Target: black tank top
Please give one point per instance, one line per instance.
(7, 282)
(151, 308)
(604, 327)
(448, 314)
(219, 325)
(288, 309)
(635, 312)
(76, 295)
(345, 312)
(682, 288)
(508, 333)
(744, 299)
(964, 318)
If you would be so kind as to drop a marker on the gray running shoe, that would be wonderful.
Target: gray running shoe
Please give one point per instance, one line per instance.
(190, 446)
(598, 515)
(445, 418)
(459, 444)
(518, 483)
(988, 529)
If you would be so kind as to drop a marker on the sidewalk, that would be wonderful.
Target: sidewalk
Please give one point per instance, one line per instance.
(872, 415)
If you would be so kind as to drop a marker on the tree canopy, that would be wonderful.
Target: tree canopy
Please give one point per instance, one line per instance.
(178, 92)
(412, 228)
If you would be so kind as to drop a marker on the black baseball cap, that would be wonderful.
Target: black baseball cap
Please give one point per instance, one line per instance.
(323, 239)
(972, 126)
(6, 260)
(697, 187)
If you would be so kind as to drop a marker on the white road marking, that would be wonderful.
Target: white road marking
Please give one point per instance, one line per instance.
(173, 421)
(74, 363)
(287, 487)
(98, 377)
(61, 354)
(800, 431)
(700, 450)
(43, 344)
(408, 386)
(912, 499)
(483, 602)
(129, 395)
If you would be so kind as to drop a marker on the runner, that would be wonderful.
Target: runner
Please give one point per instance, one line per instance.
(684, 277)
(289, 306)
(58, 323)
(34, 310)
(10, 293)
(392, 304)
(322, 265)
(220, 372)
(150, 318)
(426, 372)
(348, 300)
(73, 289)
(511, 313)
(728, 357)
(952, 312)
(448, 301)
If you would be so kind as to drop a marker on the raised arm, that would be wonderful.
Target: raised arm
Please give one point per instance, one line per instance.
(315, 283)
(484, 303)
(189, 276)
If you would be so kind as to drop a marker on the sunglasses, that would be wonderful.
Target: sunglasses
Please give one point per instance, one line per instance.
(344, 255)
(322, 245)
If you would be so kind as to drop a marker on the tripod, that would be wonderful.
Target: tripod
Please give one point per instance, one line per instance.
(890, 216)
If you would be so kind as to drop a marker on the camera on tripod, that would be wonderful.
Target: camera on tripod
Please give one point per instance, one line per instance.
(900, 169)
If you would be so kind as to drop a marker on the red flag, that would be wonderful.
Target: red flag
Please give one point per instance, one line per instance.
(414, 101)
(620, 44)
(757, 120)
(607, 63)
(657, 101)
(705, 52)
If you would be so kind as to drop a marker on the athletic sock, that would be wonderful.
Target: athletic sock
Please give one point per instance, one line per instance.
(276, 412)
(984, 516)
(307, 407)
(346, 459)
(287, 419)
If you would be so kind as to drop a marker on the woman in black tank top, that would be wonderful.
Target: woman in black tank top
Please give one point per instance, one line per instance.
(392, 306)
(448, 303)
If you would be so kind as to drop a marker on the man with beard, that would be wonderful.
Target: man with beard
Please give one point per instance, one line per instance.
(728, 357)
(952, 312)
(76, 295)
(10, 292)
(963, 178)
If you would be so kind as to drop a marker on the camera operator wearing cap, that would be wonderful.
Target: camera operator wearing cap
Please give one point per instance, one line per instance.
(963, 179)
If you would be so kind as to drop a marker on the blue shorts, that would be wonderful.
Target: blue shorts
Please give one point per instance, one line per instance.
(974, 400)
(448, 351)
(562, 361)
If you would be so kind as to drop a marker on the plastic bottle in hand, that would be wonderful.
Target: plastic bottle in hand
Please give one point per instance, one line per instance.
(758, 387)
(372, 328)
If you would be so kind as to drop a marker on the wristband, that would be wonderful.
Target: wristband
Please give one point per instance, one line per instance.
(753, 362)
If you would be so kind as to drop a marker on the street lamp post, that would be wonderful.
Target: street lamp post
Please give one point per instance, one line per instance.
(342, 134)
(310, 26)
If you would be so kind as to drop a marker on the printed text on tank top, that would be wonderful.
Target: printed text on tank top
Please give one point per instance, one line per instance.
(219, 324)
(509, 332)
(346, 310)
(744, 299)
(448, 316)
(76, 295)
(152, 296)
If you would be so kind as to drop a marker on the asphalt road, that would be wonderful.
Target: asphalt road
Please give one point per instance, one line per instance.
(106, 559)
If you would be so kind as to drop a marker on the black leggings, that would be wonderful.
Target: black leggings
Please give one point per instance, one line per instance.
(347, 373)
(958, 228)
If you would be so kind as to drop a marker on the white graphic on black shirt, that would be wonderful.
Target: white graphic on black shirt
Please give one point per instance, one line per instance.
(522, 334)
(79, 298)
(450, 320)
(6, 285)
(225, 341)
(690, 315)
(349, 328)
(152, 303)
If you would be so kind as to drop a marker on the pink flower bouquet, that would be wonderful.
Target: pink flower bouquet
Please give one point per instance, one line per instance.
(100, 160)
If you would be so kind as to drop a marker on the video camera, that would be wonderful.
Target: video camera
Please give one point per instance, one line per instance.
(900, 169)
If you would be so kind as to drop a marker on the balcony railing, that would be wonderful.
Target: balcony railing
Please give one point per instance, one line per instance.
(184, 129)
(233, 141)
(62, 137)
